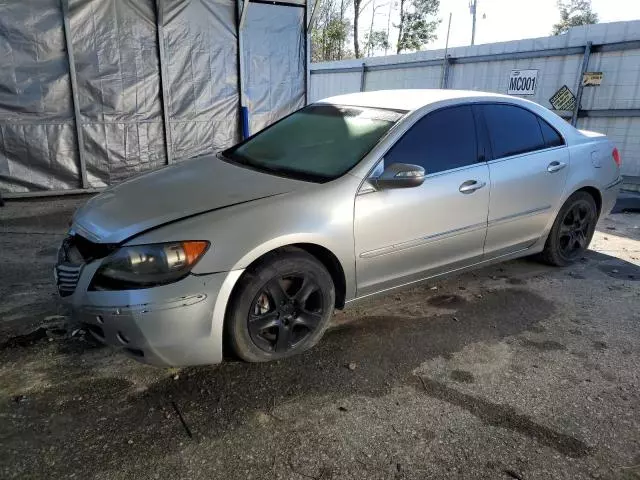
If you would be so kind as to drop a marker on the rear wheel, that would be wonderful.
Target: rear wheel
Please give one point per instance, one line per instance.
(572, 230)
(281, 307)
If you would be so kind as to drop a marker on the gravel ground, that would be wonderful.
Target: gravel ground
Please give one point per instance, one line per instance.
(518, 371)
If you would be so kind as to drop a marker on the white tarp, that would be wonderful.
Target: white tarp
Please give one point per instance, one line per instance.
(116, 56)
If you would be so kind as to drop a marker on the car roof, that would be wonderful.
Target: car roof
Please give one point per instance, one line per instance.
(407, 99)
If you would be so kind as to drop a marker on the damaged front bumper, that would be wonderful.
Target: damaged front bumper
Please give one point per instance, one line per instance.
(171, 325)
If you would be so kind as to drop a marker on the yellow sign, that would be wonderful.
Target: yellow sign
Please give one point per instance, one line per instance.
(592, 79)
(563, 99)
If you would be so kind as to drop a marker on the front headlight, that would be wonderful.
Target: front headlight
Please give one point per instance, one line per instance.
(143, 266)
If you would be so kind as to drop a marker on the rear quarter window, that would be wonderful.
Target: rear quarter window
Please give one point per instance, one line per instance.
(551, 136)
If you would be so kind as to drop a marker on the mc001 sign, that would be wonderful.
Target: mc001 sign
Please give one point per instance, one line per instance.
(523, 82)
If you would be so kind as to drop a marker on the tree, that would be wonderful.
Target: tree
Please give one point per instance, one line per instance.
(344, 4)
(374, 40)
(417, 26)
(574, 13)
(358, 8)
(327, 40)
(329, 31)
(379, 38)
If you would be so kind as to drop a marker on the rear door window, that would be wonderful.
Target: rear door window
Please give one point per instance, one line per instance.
(512, 130)
(440, 141)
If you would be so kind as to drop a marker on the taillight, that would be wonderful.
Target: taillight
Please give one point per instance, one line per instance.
(616, 157)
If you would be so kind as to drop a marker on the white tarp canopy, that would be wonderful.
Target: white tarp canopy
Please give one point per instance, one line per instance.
(94, 91)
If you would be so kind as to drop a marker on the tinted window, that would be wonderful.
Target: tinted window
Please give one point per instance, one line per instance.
(513, 130)
(440, 141)
(551, 137)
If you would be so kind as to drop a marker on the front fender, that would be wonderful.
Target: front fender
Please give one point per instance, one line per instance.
(240, 234)
(279, 242)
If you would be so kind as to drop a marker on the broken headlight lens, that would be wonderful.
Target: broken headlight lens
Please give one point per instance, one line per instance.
(143, 266)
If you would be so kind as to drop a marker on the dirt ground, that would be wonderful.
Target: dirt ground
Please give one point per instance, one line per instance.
(518, 371)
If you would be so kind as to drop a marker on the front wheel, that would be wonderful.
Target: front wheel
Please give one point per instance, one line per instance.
(572, 230)
(281, 307)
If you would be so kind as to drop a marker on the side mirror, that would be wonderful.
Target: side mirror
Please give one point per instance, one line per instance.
(400, 175)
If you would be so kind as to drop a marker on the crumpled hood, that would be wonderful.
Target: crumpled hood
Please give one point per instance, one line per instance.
(188, 188)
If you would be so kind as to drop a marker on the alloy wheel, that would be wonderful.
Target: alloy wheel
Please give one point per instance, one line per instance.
(285, 312)
(575, 230)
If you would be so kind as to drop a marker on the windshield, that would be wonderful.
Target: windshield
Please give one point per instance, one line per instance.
(318, 143)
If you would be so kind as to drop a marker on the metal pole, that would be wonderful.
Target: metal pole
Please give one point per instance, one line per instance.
(243, 14)
(473, 6)
(164, 89)
(307, 49)
(445, 60)
(308, 69)
(445, 76)
(74, 91)
(583, 69)
(362, 76)
(244, 109)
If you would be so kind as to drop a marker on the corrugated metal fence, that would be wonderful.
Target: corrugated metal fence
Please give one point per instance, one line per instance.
(613, 49)
(94, 91)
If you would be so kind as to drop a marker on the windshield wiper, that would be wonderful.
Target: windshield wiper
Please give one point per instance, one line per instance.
(221, 156)
(242, 160)
(272, 169)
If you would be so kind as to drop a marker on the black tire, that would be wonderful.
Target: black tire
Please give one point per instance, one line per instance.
(572, 231)
(281, 307)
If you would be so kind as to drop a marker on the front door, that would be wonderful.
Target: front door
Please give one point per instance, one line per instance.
(407, 234)
(528, 175)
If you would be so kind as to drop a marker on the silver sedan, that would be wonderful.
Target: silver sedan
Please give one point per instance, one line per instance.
(253, 249)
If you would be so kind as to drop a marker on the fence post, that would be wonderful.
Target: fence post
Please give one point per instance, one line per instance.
(446, 63)
(64, 4)
(163, 80)
(583, 69)
(363, 76)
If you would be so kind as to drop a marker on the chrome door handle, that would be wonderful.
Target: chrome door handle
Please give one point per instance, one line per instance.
(554, 167)
(471, 186)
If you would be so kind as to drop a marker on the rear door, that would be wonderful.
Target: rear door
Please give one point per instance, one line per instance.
(406, 234)
(529, 167)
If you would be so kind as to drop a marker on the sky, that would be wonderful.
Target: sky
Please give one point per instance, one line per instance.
(502, 20)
